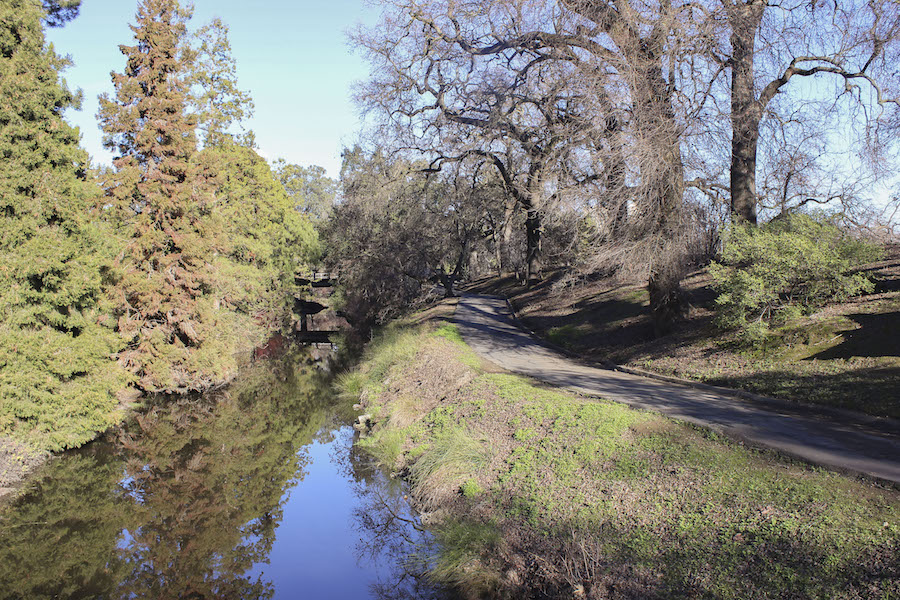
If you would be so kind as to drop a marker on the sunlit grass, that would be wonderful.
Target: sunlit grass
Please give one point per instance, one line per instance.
(451, 459)
(603, 487)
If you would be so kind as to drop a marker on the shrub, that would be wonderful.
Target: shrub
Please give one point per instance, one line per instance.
(787, 267)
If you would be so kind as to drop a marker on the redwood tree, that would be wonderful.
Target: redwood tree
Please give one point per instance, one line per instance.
(177, 333)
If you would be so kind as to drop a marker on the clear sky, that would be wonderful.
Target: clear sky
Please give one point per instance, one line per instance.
(292, 55)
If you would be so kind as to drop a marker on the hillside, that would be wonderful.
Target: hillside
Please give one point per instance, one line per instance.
(845, 355)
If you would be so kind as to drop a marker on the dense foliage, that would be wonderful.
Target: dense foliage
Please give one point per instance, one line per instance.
(167, 308)
(265, 242)
(185, 264)
(309, 188)
(57, 381)
(792, 264)
(396, 231)
(212, 241)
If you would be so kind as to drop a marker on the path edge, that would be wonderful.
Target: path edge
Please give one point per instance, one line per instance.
(885, 425)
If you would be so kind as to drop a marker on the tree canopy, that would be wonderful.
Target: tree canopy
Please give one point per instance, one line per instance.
(57, 382)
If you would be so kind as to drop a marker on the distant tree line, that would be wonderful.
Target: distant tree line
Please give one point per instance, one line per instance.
(610, 135)
(158, 273)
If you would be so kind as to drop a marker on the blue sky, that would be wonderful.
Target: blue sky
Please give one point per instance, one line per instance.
(291, 55)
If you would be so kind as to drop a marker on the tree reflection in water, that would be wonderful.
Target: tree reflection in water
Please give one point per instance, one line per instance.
(180, 503)
(390, 532)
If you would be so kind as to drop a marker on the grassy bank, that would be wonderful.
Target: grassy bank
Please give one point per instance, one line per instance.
(533, 491)
(846, 355)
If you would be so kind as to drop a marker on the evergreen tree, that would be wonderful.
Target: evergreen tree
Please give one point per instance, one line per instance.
(57, 381)
(59, 12)
(309, 188)
(220, 104)
(178, 336)
(265, 239)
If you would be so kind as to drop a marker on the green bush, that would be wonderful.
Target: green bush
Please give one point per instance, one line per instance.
(793, 264)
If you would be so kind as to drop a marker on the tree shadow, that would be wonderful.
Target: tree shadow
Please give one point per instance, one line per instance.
(877, 335)
(872, 390)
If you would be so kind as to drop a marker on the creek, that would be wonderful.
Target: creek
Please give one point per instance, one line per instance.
(253, 491)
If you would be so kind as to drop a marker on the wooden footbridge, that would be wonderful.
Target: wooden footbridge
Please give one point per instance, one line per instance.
(317, 279)
(306, 308)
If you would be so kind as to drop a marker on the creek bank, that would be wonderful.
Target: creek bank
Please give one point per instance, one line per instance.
(17, 462)
(532, 492)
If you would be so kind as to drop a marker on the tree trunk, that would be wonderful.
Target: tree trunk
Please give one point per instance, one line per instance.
(504, 239)
(448, 281)
(664, 193)
(533, 266)
(746, 112)
(616, 186)
(666, 296)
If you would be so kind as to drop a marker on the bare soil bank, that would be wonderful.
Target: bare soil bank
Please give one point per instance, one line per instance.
(535, 493)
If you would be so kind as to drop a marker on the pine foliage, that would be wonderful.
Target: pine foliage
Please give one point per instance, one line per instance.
(57, 381)
(220, 104)
(265, 242)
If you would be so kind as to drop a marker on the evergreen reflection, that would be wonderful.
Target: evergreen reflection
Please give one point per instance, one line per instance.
(179, 504)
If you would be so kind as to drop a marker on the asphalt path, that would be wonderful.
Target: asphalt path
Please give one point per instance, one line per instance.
(864, 445)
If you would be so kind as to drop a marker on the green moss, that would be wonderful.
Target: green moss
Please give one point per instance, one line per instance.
(522, 435)
(471, 488)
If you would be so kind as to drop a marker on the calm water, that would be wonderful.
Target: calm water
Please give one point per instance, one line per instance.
(252, 492)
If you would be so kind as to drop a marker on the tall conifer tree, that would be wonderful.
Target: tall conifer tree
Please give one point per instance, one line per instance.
(221, 106)
(57, 380)
(178, 337)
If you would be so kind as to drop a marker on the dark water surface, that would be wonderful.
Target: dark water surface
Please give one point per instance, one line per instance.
(252, 492)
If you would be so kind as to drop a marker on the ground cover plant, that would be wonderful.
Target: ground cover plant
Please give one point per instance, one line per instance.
(536, 492)
(845, 354)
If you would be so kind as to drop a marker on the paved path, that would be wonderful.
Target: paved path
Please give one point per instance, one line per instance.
(871, 448)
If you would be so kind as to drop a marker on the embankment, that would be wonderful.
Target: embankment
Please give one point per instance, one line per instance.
(532, 492)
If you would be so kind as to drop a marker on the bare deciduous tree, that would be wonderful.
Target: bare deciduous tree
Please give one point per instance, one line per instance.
(853, 43)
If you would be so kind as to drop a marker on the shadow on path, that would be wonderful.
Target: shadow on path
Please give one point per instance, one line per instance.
(487, 326)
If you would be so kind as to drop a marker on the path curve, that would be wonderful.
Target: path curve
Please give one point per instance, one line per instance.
(487, 326)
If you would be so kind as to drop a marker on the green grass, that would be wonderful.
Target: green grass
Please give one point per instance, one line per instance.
(450, 332)
(566, 336)
(462, 561)
(385, 445)
(453, 456)
(605, 490)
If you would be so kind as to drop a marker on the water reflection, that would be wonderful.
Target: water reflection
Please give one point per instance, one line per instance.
(389, 532)
(255, 492)
(181, 503)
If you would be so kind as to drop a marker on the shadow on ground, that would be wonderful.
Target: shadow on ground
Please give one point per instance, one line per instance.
(882, 386)
(877, 335)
